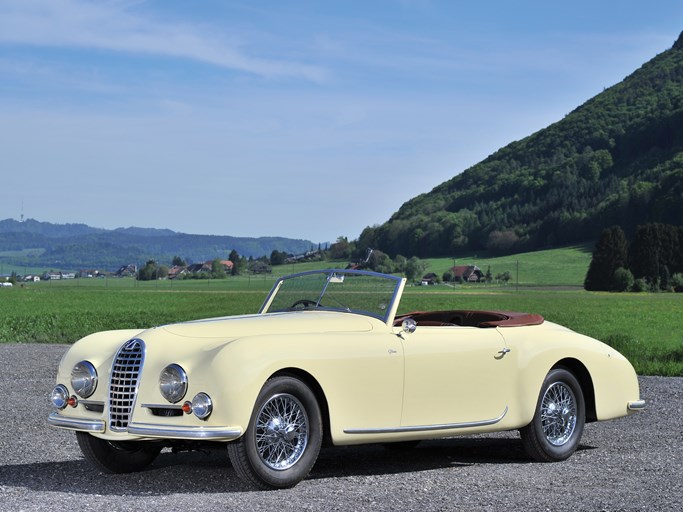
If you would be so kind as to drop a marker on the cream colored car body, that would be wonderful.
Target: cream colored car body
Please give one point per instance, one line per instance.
(375, 382)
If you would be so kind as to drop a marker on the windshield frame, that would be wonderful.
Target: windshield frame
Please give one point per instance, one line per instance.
(386, 316)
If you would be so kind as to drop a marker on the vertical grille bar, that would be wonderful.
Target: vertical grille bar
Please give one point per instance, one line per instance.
(123, 384)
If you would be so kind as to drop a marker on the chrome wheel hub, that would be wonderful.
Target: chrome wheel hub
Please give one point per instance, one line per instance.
(558, 414)
(281, 432)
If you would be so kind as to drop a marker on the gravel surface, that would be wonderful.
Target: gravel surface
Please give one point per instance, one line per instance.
(633, 463)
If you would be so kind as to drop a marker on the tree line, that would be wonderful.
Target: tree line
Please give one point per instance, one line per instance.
(652, 261)
(152, 270)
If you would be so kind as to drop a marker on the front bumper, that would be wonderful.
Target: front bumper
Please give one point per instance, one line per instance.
(57, 420)
(148, 430)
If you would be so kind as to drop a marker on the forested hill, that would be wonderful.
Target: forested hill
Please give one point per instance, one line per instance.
(78, 246)
(617, 159)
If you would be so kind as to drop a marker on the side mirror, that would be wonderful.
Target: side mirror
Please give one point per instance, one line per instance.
(409, 325)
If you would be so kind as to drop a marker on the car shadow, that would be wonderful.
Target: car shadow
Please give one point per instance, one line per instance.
(428, 455)
(210, 471)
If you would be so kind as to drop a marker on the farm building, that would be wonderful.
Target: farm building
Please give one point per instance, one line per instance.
(467, 273)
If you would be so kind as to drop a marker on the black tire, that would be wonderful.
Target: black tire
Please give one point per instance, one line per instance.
(283, 439)
(555, 432)
(117, 457)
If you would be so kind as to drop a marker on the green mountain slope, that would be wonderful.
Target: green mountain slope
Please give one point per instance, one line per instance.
(617, 159)
(77, 246)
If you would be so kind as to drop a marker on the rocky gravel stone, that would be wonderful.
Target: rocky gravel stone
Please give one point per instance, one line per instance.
(633, 463)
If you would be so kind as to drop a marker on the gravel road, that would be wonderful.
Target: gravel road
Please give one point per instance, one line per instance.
(633, 463)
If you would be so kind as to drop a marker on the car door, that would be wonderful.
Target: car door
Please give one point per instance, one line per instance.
(455, 375)
(362, 375)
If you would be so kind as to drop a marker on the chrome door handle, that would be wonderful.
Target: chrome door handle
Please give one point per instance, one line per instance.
(502, 353)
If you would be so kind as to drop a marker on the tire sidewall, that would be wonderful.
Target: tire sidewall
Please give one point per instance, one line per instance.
(290, 476)
(560, 375)
(112, 457)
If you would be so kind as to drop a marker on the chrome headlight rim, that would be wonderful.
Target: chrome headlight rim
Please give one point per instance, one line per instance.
(202, 406)
(60, 396)
(173, 383)
(84, 379)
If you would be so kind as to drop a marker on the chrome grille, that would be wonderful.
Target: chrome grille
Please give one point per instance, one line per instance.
(123, 384)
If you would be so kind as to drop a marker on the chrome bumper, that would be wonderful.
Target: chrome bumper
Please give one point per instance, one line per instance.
(59, 421)
(637, 405)
(148, 429)
(189, 433)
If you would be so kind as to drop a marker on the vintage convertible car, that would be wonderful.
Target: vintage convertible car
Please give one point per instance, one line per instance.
(327, 359)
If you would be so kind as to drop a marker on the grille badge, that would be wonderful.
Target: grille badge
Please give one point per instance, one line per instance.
(132, 345)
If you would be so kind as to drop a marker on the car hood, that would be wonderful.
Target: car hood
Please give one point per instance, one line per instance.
(299, 322)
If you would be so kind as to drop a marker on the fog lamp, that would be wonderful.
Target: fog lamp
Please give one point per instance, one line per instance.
(202, 406)
(60, 396)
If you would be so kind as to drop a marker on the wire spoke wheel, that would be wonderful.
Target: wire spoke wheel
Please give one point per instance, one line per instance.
(556, 428)
(558, 414)
(282, 442)
(281, 432)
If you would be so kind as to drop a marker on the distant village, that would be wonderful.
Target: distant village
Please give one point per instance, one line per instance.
(215, 268)
(415, 270)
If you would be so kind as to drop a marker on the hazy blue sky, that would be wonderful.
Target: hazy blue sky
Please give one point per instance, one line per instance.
(305, 119)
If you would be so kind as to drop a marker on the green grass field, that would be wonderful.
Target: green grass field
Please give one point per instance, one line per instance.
(554, 267)
(645, 327)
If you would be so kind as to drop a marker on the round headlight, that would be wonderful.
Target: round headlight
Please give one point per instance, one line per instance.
(59, 396)
(84, 379)
(202, 406)
(173, 383)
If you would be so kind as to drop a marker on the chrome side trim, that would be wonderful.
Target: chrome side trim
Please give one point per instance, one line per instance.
(154, 430)
(637, 405)
(57, 420)
(426, 428)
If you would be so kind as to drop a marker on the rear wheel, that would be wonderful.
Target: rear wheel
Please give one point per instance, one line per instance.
(284, 436)
(117, 456)
(555, 432)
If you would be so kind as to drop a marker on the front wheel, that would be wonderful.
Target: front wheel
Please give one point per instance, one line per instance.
(555, 431)
(117, 456)
(284, 436)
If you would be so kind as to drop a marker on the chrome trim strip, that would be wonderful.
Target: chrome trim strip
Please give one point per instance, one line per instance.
(162, 406)
(57, 420)
(154, 430)
(91, 402)
(426, 428)
(637, 405)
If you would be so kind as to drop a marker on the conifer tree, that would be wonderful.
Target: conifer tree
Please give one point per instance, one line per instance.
(610, 253)
(655, 252)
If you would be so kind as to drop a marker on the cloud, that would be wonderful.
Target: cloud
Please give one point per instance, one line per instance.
(115, 26)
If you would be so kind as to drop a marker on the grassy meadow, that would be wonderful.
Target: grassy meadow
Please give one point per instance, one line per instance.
(645, 327)
(554, 267)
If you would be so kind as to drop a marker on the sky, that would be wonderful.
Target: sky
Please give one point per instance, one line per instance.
(302, 119)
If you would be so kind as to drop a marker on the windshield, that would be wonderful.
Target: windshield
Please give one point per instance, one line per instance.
(354, 291)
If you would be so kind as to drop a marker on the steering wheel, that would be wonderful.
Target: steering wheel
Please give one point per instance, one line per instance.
(306, 303)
